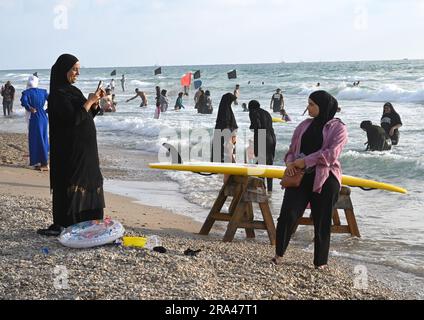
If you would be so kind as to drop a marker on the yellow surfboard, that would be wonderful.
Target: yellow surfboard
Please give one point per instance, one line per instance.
(264, 171)
(276, 120)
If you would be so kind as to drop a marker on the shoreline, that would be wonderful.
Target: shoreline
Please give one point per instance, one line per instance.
(237, 270)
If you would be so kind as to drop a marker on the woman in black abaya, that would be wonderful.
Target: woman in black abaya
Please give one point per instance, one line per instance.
(75, 178)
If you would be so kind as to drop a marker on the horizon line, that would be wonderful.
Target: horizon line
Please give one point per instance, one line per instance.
(225, 64)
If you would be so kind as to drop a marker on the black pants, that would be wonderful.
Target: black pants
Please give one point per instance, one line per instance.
(294, 205)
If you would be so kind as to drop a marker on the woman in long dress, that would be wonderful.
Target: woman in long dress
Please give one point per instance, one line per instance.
(75, 177)
(33, 100)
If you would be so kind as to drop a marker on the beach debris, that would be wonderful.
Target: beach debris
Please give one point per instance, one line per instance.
(191, 253)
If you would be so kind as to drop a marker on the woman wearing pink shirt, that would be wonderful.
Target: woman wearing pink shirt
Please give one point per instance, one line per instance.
(316, 147)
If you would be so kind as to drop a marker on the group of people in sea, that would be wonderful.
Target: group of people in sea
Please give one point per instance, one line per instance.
(76, 180)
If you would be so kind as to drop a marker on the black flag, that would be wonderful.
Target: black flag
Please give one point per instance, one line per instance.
(113, 73)
(232, 74)
(158, 71)
(197, 75)
(35, 74)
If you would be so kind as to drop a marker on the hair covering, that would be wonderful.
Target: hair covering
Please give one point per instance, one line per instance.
(366, 124)
(225, 118)
(32, 82)
(58, 76)
(254, 105)
(327, 106)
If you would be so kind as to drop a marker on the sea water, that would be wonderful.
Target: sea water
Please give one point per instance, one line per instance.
(391, 225)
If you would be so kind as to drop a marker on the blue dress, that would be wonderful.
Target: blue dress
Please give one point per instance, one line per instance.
(37, 129)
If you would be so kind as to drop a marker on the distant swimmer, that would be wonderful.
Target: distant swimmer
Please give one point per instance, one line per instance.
(164, 102)
(123, 83)
(143, 97)
(318, 84)
(179, 103)
(244, 106)
(356, 83)
(277, 102)
(237, 94)
(198, 93)
(285, 116)
(378, 140)
(112, 85)
(391, 122)
(209, 105)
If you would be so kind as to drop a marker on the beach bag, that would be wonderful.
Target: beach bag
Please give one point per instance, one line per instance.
(294, 181)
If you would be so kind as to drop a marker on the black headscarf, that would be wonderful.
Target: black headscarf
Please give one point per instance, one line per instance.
(327, 106)
(312, 139)
(226, 119)
(58, 78)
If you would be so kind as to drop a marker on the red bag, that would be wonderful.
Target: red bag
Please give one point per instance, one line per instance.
(294, 181)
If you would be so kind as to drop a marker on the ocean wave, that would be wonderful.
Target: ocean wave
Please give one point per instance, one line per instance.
(142, 83)
(390, 92)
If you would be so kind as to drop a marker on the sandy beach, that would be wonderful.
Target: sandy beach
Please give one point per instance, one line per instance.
(237, 270)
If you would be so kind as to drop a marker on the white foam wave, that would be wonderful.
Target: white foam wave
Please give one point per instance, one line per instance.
(390, 92)
(142, 83)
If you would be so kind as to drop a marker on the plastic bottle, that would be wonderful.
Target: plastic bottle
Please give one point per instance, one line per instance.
(152, 242)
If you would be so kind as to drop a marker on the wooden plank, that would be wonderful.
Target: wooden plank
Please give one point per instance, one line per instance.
(351, 221)
(269, 222)
(336, 217)
(216, 208)
(250, 231)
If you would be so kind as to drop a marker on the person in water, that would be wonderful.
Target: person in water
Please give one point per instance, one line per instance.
(225, 131)
(179, 103)
(316, 146)
(33, 100)
(277, 102)
(378, 140)
(75, 177)
(142, 96)
(391, 122)
(261, 119)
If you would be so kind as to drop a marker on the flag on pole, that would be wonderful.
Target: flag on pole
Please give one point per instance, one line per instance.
(197, 75)
(232, 74)
(158, 71)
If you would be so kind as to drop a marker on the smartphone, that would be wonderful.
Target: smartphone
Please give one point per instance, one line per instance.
(100, 85)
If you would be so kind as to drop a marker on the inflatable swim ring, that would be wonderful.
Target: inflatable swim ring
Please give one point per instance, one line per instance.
(91, 234)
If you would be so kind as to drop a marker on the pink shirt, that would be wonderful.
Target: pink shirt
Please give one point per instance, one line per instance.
(325, 160)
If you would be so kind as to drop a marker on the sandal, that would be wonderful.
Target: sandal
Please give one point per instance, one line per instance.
(52, 231)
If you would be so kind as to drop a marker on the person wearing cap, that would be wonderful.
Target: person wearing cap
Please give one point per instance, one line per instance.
(316, 146)
(277, 102)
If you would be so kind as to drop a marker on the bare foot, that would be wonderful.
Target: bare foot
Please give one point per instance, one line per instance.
(323, 267)
(277, 260)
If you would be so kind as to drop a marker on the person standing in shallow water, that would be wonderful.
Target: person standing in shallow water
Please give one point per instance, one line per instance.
(75, 178)
(262, 120)
(316, 146)
(391, 122)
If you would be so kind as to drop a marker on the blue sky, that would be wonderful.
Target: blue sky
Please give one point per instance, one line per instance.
(185, 32)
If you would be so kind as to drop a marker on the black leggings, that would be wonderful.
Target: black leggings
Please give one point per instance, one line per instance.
(294, 205)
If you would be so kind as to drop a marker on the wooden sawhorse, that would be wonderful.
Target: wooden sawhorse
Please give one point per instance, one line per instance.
(344, 203)
(245, 191)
